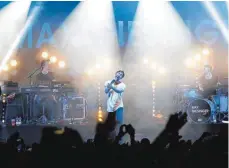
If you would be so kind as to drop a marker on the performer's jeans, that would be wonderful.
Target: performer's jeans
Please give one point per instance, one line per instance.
(115, 117)
(119, 116)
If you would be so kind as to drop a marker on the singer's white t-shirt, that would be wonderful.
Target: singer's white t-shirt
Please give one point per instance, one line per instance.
(115, 99)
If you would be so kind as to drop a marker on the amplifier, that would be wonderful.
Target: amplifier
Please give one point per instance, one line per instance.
(76, 108)
(8, 90)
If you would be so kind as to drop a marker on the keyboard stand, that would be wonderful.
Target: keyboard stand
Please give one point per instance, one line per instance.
(43, 119)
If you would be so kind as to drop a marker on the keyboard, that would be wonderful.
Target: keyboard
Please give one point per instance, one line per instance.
(45, 90)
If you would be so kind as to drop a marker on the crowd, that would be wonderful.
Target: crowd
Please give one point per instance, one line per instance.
(66, 148)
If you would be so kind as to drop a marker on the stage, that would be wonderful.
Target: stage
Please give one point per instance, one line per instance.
(32, 133)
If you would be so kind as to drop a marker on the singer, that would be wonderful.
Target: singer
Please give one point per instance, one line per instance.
(114, 90)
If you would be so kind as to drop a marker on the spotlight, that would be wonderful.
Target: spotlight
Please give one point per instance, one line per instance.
(61, 64)
(159, 116)
(44, 55)
(5, 68)
(205, 51)
(197, 57)
(13, 63)
(145, 61)
(53, 59)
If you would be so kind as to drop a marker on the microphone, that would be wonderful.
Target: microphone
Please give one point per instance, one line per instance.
(109, 84)
(113, 81)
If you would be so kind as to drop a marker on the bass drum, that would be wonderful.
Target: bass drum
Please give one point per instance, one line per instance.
(201, 110)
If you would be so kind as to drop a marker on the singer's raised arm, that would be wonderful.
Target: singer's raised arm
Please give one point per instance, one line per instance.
(107, 89)
(118, 89)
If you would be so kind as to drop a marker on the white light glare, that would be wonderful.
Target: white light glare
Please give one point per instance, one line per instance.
(61, 64)
(214, 14)
(197, 57)
(162, 70)
(21, 34)
(189, 63)
(5, 68)
(44, 55)
(205, 51)
(154, 66)
(98, 66)
(146, 61)
(53, 59)
(13, 63)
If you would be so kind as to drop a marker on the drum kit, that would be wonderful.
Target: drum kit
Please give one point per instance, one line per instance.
(202, 110)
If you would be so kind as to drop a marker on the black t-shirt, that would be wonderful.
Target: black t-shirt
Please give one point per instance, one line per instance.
(209, 85)
(44, 78)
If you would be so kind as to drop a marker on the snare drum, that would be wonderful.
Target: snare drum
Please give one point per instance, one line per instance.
(201, 110)
(221, 102)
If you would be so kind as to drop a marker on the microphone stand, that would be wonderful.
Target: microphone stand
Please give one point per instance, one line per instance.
(31, 75)
(29, 113)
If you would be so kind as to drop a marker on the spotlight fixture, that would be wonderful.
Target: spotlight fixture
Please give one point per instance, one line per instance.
(13, 63)
(44, 55)
(53, 59)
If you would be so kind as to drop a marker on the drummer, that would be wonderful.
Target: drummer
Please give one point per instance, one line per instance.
(208, 82)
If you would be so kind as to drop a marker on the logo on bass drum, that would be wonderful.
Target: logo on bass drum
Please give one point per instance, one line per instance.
(199, 111)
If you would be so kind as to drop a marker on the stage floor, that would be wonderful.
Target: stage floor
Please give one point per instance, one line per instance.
(32, 133)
